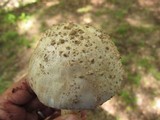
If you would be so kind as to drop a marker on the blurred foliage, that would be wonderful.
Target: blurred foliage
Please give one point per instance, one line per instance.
(128, 98)
(72, 5)
(134, 78)
(155, 73)
(9, 18)
(4, 84)
(137, 40)
(11, 44)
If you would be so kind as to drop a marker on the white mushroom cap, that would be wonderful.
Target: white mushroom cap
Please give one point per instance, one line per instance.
(75, 67)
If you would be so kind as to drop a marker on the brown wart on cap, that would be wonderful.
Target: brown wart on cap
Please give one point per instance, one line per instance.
(75, 67)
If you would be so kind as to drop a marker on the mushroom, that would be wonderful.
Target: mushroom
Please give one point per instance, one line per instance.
(75, 67)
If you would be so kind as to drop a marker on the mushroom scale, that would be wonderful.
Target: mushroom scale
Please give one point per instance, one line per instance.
(75, 67)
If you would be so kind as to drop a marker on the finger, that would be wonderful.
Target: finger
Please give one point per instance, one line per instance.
(12, 111)
(20, 93)
(31, 116)
(68, 117)
(54, 115)
(35, 104)
(4, 115)
(50, 111)
(41, 115)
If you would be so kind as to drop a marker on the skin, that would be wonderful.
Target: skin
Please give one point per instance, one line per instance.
(20, 103)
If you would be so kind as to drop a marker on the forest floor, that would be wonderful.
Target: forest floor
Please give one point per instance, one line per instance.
(134, 26)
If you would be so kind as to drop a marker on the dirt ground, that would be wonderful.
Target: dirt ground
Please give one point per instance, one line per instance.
(134, 26)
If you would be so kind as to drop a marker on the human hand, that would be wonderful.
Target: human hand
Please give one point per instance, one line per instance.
(20, 103)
